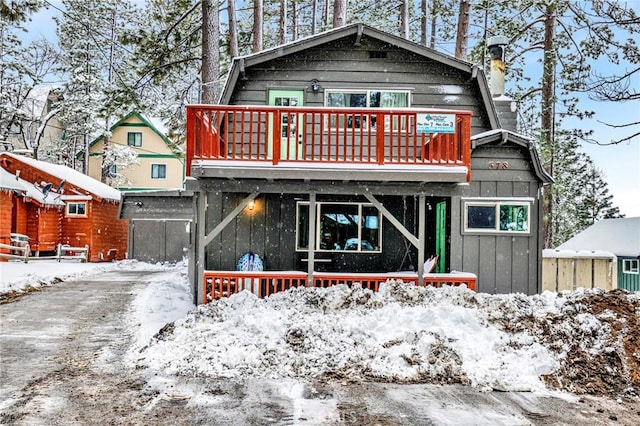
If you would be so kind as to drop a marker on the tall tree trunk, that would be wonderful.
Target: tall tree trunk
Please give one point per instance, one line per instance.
(325, 16)
(404, 19)
(339, 13)
(294, 20)
(423, 22)
(282, 33)
(258, 20)
(233, 28)
(314, 12)
(434, 23)
(463, 29)
(547, 117)
(210, 52)
(104, 169)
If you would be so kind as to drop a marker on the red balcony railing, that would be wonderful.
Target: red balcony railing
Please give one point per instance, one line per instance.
(219, 284)
(328, 135)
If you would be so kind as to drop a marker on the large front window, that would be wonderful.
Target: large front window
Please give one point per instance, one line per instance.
(341, 226)
(364, 99)
(497, 216)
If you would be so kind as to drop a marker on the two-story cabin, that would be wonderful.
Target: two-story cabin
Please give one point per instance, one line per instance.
(159, 161)
(355, 156)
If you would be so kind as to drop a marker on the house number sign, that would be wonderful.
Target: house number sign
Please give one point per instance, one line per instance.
(498, 165)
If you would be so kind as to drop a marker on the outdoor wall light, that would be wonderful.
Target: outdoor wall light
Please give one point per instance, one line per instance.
(251, 205)
(315, 86)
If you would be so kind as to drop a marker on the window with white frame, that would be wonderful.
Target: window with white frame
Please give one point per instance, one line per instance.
(630, 266)
(158, 171)
(355, 227)
(364, 99)
(134, 139)
(502, 216)
(76, 209)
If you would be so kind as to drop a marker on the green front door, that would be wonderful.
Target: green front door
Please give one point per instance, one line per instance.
(291, 125)
(441, 235)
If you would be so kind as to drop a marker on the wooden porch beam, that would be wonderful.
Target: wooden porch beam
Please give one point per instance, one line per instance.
(312, 238)
(235, 212)
(421, 233)
(391, 218)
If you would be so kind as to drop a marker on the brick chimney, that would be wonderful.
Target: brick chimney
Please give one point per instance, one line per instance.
(505, 106)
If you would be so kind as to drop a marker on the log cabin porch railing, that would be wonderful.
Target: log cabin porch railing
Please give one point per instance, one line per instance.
(218, 284)
(327, 135)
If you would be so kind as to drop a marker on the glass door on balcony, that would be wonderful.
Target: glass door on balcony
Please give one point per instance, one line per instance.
(291, 125)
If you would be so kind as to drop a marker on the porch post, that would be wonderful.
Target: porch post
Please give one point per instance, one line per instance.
(312, 238)
(201, 211)
(421, 236)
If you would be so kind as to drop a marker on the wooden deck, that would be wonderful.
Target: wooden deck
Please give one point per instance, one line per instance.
(327, 136)
(218, 284)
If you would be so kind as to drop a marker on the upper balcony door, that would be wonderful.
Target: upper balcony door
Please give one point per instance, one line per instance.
(291, 125)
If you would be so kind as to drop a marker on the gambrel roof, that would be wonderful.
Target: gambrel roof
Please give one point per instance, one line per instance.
(356, 32)
(501, 136)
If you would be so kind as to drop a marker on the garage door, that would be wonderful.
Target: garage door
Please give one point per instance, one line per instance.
(159, 240)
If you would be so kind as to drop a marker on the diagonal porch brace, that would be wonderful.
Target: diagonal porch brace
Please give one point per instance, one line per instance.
(235, 212)
(418, 242)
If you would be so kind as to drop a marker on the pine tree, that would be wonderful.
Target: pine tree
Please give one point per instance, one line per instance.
(595, 201)
(87, 34)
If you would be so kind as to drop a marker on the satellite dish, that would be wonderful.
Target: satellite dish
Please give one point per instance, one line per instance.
(59, 188)
(46, 189)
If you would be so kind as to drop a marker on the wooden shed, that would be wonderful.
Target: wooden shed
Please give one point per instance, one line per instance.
(571, 269)
(59, 205)
(355, 155)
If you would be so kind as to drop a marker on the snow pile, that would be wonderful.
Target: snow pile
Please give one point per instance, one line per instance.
(402, 334)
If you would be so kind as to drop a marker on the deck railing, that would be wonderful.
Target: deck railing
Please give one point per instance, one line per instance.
(328, 135)
(218, 284)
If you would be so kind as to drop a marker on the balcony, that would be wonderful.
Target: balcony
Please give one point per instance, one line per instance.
(328, 143)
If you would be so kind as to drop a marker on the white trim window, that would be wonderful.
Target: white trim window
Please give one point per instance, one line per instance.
(158, 171)
(630, 266)
(363, 98)
(76, 209)
(352, 227)
(504, 216)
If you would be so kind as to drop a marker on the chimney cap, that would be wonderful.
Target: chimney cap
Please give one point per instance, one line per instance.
(497, 41)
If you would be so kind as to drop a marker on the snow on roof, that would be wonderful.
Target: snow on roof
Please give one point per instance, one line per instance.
(72, 176)
(574, 254)
(36, 101)
(9, 181)
(618, 236)
(157, 123)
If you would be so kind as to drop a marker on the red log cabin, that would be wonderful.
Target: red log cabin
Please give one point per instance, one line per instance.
(54, 204)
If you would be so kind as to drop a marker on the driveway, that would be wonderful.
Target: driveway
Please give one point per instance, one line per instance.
(62, 362)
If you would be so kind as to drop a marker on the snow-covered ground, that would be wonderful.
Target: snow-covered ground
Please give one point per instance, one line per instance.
(574, 341)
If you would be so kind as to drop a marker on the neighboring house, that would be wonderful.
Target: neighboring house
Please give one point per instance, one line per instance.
(355, 155)
(160, 164)
(54, 204)
(37, 108)
(620, 237)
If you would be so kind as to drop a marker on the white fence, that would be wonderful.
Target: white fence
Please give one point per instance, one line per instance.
(63, 251)
(16, 252)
